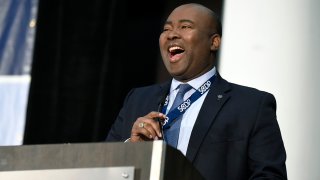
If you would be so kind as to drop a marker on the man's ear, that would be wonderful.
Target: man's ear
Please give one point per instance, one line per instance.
(215, 42)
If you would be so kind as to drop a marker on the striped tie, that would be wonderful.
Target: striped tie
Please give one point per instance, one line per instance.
(172, 134)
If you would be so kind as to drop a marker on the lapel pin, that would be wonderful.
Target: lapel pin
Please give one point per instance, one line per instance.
(219, 97)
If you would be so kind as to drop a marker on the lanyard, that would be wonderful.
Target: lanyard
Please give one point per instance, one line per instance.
(182, 108)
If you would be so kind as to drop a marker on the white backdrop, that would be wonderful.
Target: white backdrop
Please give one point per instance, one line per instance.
(275, 46)
(17, 32)
(13, 102)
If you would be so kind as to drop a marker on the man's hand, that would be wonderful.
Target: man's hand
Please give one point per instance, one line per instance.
(146, 128)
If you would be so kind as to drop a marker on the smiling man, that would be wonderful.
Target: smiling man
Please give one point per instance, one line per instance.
(226, 131)
(189, 42)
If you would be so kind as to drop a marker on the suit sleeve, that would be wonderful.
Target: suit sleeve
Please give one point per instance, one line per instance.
(267, 154)
(121, 128)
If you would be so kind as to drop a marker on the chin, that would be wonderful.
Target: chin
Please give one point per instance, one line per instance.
(178, 77)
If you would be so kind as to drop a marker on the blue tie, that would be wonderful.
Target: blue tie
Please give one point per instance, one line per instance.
(172, 134)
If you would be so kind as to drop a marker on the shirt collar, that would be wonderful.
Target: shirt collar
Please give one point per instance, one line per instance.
(195, 83)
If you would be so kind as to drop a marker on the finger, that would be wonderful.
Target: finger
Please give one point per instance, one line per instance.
(156, 121)
(140, 135)
(153, 126)
(151, 130)
(150, 125)
(154, 114)
(142, 130)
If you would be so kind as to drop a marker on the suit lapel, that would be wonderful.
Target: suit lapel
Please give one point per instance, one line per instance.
(215, 99)
(164, 89)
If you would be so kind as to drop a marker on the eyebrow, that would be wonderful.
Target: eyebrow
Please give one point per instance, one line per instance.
(180, 21)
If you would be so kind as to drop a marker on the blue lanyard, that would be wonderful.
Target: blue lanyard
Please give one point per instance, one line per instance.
(182, 108)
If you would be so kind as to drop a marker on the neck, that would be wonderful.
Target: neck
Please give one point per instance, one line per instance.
(187, 79)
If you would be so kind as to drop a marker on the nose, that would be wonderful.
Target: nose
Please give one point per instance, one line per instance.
(173, 34)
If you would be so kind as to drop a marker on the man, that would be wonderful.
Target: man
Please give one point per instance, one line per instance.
(226, 130)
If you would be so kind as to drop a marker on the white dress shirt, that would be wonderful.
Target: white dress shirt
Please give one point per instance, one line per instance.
(190, 116)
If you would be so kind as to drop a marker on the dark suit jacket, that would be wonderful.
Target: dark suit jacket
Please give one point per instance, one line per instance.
(236, 135)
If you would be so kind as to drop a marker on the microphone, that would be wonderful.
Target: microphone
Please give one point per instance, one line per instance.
(161, 101)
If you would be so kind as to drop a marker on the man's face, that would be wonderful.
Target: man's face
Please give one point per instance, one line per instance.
(186, 43)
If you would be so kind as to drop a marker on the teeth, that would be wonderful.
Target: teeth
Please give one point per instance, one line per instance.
(174, 48)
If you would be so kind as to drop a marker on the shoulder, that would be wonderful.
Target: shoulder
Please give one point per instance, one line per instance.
(247, 90)
(228, 86)
(254, 97)
(247, 99)
(147, 92)
(153, 89)
(247, 93)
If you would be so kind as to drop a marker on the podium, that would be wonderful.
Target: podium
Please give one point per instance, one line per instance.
(81, 161)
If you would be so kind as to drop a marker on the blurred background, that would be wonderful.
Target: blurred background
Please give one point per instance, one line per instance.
(66, 66)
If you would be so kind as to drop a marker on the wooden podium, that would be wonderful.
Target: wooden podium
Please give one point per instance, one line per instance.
(139, 161)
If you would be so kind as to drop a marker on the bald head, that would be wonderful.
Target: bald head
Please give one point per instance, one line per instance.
(213, 17)
(189, 41)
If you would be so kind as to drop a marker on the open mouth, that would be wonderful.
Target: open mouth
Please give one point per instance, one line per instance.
(175, 52)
